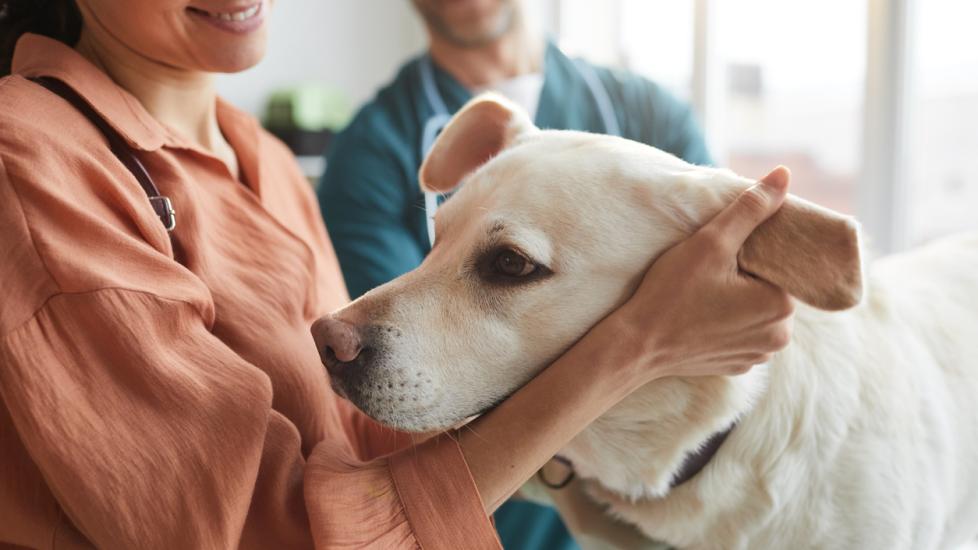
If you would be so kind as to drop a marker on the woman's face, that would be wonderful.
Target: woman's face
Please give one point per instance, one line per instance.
(200, 35)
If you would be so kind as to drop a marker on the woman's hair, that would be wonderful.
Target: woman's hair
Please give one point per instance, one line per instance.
(58, 19)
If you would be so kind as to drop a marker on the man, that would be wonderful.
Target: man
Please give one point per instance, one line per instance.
(377, 215)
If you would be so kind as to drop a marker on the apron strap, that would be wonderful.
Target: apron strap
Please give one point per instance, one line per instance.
(161, 205)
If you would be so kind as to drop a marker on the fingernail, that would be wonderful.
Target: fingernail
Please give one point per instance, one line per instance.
(777, 180)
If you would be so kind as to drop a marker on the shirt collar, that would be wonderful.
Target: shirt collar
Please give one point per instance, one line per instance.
(560, 78)
(456, 95)
(36, 55)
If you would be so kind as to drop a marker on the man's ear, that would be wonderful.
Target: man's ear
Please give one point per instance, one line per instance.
(485, 126)
(809, 251)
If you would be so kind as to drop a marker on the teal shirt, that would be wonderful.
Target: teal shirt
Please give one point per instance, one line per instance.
(374, 208)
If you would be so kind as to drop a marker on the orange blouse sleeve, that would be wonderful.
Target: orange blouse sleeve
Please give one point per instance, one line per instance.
(127, 423)
(426, 491)
(150, 434)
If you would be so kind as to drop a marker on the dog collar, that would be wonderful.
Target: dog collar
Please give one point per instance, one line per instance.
(696, 461)
(563, 482)
(692, 464)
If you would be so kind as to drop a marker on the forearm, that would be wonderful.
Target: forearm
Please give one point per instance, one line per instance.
(507, 445)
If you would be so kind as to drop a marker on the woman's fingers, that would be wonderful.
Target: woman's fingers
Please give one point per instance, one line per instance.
(736, 222)
(763, 300)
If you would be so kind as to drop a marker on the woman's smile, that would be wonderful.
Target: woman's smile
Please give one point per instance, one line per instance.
(240, 19)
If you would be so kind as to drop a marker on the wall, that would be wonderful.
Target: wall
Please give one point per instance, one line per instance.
(355, 45)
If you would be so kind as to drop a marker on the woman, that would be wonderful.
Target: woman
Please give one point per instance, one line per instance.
(161, 390)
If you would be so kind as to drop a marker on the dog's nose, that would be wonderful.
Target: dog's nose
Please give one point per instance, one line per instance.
(338, 342)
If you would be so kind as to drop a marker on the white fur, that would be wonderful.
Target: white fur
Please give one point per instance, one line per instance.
(863, 433)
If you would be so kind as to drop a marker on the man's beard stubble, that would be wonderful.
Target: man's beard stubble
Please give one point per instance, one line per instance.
(505, 21)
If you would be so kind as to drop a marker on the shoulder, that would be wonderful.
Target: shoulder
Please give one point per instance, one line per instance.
(639, 92)
(379, 149)
(654, 115)
(26, 280)
(38, 124)
(387, 124)
(51, 152)
(59, 205)
(49, 149)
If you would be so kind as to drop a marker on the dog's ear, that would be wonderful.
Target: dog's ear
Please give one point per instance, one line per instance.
(479, 131)
(809, 251)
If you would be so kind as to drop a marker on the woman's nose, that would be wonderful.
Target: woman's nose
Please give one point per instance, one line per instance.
(337, 341)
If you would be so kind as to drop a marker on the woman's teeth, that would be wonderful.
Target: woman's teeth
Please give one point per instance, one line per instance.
(238, 15)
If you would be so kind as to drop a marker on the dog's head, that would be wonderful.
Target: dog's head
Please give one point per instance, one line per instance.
(550, 231)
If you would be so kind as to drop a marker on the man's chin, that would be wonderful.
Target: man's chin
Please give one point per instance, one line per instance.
(473, 34)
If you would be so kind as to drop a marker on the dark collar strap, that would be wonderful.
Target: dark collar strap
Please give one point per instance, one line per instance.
(696, 461)
(563, 482)
(161, 205)
(692, 465)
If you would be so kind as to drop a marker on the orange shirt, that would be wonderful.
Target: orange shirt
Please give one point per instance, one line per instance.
(162, 390)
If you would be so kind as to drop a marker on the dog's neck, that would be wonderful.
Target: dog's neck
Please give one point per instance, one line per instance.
(650, 436)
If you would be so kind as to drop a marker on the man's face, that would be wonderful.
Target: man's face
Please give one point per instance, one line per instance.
(468, 23)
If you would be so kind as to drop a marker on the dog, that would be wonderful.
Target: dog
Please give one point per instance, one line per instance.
(862, 433)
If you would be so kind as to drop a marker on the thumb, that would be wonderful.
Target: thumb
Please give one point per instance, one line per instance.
(738, 220)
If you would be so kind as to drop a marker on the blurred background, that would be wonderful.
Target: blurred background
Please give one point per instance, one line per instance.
(873, 104)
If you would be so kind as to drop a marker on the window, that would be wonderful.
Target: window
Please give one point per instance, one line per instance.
(787, 82)
(793, 75)
(943, 132)
(651, 37)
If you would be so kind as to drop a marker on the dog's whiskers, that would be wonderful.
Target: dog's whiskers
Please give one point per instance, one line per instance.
(475, 433)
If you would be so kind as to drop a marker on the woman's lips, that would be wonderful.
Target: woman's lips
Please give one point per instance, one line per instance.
(240, 20)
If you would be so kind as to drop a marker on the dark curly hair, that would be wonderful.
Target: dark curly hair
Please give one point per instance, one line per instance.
(57, 19)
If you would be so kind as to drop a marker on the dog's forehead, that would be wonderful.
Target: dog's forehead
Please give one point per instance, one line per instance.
(555, 152)
(554, 177)
(543, 167)
(568, 170)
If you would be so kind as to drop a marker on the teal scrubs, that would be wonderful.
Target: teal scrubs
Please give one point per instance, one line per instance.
(374, 208)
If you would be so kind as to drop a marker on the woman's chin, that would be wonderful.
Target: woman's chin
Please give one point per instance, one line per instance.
(235, 61)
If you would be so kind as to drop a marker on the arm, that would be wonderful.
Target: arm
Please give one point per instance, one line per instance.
(147, 429)
(677, 130)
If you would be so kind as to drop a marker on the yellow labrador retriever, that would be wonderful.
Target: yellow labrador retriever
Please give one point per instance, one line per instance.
(862, 433)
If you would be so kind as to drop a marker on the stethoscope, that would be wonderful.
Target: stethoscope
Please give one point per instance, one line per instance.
(437, 121)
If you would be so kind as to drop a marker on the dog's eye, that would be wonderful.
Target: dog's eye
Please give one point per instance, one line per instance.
(508, 266)
(512, 264)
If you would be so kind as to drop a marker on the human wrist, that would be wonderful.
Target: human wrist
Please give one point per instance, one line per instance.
(625, 355)
(503, 450)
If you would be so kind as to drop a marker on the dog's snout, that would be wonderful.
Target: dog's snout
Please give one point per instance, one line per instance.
(366, 365)
(338, 342)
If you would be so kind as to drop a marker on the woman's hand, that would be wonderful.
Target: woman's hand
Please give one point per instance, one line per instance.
(695, 312)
